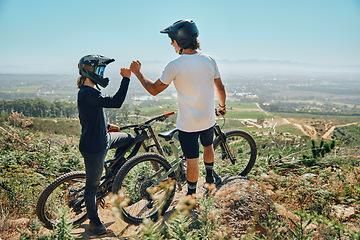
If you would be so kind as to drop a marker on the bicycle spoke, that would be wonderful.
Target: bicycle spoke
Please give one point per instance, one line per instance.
(137, 189)
(64, 196)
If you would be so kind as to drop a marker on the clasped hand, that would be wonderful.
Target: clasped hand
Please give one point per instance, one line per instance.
(125, 72)
(135, 67)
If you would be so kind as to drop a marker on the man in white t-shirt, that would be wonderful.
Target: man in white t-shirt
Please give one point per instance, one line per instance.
(196, 77)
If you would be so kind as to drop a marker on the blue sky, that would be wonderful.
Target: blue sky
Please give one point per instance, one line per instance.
(42, 36)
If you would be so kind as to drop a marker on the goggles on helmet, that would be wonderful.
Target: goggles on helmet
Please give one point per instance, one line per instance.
(99, 70)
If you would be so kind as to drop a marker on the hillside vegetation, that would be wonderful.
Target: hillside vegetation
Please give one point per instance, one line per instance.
(310, 179)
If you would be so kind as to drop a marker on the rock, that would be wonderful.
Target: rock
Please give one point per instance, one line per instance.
(285, 213)
(265, 177)
(270, 193)
(19, 222)
(269, 189)
(343, 212)
(312, 226)
(242, 204)
(308, 176)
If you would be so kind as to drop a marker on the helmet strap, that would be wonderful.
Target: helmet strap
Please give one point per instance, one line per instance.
(181, 50)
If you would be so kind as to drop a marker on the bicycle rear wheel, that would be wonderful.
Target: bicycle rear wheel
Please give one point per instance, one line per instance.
(243, 148)
(137, 180)
(67, 192)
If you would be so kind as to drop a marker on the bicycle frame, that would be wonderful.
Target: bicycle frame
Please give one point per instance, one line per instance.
(179, 159)
(143, 132)
(176, 164)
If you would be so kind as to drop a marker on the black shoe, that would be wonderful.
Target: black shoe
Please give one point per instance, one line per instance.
(209, 180)
(215, 179)
(98, 229)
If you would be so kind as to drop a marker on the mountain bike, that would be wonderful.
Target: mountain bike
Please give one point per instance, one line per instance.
(67, 190)
(148, 181)
(135, 174)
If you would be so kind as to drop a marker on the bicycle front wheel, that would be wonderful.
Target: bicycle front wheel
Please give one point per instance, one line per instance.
(65, 195)
(243, 148)
(144, 182)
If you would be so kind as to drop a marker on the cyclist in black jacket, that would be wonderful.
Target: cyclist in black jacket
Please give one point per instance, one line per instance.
(96, 135)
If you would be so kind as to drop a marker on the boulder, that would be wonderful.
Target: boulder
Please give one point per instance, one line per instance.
(242, 204)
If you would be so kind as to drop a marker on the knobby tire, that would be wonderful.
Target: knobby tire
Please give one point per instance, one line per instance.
(135, 178)
(61, 185)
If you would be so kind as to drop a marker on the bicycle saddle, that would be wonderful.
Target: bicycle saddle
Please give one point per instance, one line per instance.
(168, 134)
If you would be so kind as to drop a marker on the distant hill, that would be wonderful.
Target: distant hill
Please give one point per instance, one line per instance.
(255, 66)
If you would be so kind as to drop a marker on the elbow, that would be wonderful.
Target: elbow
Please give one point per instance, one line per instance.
(153, 92)
(119, 104)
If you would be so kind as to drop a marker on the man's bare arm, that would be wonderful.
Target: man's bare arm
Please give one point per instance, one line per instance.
(220, 91)
(154, 88)
(221, 95)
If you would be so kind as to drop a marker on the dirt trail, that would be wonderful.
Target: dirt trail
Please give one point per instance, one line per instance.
(305, 129)
(116, 225)
(331, 130)
(121, 228)
(257, 104)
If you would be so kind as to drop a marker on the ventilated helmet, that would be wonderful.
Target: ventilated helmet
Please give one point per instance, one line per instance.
(93, 67)
(183, 31)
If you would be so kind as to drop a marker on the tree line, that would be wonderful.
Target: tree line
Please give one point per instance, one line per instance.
(317, 109)
(39, 108)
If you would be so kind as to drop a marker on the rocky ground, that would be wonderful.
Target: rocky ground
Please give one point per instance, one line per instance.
(236, 200)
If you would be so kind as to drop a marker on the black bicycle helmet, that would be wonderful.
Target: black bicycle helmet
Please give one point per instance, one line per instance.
(93, 67)
(183, 31)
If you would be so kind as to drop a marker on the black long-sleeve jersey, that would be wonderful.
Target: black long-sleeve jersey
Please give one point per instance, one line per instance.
(91, 103)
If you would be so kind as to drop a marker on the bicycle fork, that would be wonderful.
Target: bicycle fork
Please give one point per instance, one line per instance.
(223, 144)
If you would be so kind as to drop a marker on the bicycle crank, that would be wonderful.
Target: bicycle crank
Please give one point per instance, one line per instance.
(76, 205)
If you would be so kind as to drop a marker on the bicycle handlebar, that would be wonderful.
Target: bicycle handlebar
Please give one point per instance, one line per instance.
(158, 118)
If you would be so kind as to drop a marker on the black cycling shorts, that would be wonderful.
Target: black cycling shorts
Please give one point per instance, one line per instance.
(189, 141)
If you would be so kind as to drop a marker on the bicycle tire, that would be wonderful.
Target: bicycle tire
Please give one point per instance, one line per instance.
(242, 145)
(58, 194)
(134, 179)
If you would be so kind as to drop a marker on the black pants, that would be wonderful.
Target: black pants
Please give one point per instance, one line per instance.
(94, 166)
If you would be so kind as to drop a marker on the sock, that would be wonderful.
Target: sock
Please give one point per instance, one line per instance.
(191, 187)
(209, 172)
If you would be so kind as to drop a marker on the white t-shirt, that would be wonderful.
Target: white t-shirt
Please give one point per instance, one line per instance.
(193, 76)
